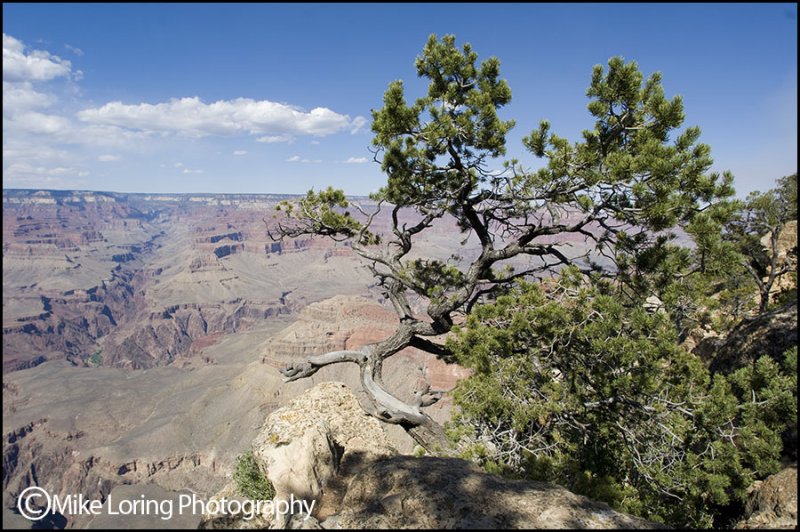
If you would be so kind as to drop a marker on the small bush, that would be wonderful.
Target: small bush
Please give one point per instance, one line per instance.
(250, 482)
(96, 359)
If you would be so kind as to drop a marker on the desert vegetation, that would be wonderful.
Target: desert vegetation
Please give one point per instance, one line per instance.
(250, 481)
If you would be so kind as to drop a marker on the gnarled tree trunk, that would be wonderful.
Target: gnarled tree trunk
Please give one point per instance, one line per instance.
(381, 403)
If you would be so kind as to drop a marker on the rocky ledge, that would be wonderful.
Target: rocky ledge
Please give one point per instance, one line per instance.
(323, 448)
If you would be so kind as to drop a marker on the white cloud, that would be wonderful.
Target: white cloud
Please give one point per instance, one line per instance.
(37, 123)
(357, 123)
(20, 97)
(185, 169)
(270, 139)
(191, 117)
(26, 175)
(39, 137)
(74, 49)
(103, 136)
(355, 160)
(38, 65)
(298, 159)
(41, 170)
(17, 150)
(45, 144)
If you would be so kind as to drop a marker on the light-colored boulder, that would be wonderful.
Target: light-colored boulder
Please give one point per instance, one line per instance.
(787, 241)
(302, 444)
(772, 503)
(298, 463)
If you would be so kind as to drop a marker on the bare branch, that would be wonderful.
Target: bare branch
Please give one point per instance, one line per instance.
(300, 370)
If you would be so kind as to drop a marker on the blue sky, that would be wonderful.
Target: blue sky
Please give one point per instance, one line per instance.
(276, 97)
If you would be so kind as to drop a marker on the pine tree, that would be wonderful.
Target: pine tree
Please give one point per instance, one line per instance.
(619, 188)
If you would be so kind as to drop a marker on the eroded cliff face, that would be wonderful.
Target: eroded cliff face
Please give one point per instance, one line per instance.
(71, 268)
(89, 430)
(322, 448)
(33, 454)
(93, 429)
(134, 281)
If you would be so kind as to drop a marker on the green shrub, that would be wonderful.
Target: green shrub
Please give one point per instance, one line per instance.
(96, 359)
(250, 482)
(572, 386)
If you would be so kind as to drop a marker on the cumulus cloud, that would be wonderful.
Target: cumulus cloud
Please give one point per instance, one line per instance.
(44, 144)
(191, 117)
(24, 102)
(36, 65)
(36, 131)
(355, 160)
